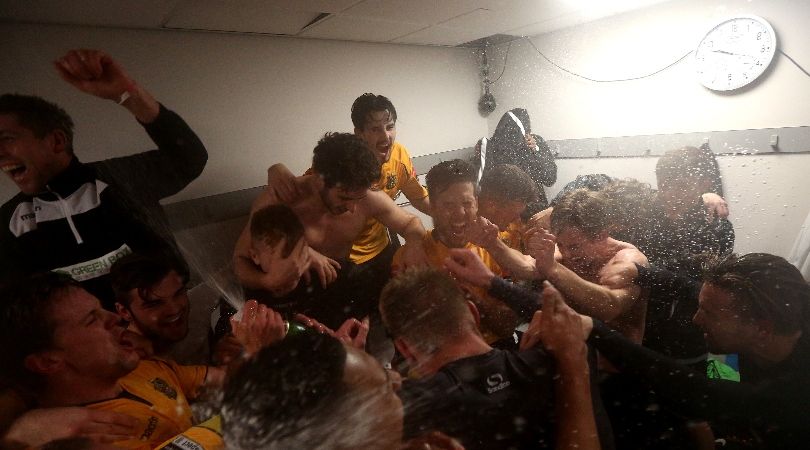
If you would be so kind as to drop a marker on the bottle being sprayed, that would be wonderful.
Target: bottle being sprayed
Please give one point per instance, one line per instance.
(293, 328)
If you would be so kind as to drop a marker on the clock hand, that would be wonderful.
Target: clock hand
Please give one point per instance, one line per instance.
(733, 54)
(727, 53)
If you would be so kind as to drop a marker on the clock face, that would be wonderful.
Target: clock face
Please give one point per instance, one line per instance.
(735, 53)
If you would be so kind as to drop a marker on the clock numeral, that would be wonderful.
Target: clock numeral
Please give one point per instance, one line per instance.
(734, 27)
(759, 36)
(729, 77)
(762, 50)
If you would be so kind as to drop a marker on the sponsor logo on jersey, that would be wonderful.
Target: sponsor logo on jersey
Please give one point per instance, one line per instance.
(94, 268)
(495, 383)
(164, 388)
(391, 181)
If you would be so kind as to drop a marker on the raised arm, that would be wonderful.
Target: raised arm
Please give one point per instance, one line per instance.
(562, 333)
(605, 302)
(282, 182)
(181, 156)
(96, 73)
(469, 268)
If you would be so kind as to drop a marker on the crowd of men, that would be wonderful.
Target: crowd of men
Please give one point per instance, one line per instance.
(512, 323)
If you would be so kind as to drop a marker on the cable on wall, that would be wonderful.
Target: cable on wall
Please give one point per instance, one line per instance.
(606, 81)
(793, 61)
(632, 78)
(505, 59)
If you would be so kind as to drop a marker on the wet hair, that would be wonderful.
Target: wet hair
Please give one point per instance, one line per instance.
(344, 160)
(582, 209)
(142, 272)
(273, 223)
(38, 115)
(287, 395)
(508, 182)
(631, 209)
(426, 307)
(26, 322)
(764, 287)
(368, 103)
(688, 163)
(441, 176)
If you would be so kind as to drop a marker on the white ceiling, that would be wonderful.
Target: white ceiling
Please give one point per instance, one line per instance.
(419, 22)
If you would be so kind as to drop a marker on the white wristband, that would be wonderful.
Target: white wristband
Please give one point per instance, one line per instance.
(124, 97)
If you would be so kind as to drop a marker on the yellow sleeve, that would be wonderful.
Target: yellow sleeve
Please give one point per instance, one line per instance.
(190, 378)
(205, 436)
(410, 185)
(489, 261)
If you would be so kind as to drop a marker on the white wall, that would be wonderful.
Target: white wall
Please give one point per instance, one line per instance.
(254, 100)
(768, 193)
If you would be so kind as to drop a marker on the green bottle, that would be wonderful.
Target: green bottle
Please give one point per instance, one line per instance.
(292, 328)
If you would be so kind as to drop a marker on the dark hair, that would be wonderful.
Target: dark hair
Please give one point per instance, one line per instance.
(38, 115)
(582, 209)
(631, 210)
(26, 322)
(273, 223)
(764, 287)
(369, 103)
(508, 182)
(688, 163)
(142, 272)
(425, 306)
(344, 160)
(287, 389)
(441, 176)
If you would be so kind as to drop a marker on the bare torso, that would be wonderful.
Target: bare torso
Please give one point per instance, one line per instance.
(329, 234)
(631, 322)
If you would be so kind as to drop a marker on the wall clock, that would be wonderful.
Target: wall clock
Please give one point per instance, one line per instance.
(735, 52)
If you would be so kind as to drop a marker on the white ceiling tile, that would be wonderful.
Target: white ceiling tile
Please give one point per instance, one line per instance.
(113, 13)
(324, 6)
(424, 22)
(437, 35)
(250, 16)
(592, 11)
(556, 23)
(428, 12)
(359, 29)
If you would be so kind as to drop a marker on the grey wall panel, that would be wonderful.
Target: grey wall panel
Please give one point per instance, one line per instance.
(787, 140)
(423, 163)
(214, 208)
(575, 148)
(230, 205)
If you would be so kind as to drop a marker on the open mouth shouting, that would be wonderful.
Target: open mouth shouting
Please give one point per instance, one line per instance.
(15, 171)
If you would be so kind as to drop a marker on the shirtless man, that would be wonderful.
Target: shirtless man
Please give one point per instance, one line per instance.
(584, 251)
(334, 204)
(375, 122)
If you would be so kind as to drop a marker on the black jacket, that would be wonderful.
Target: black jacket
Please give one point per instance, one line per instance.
(92, 214)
